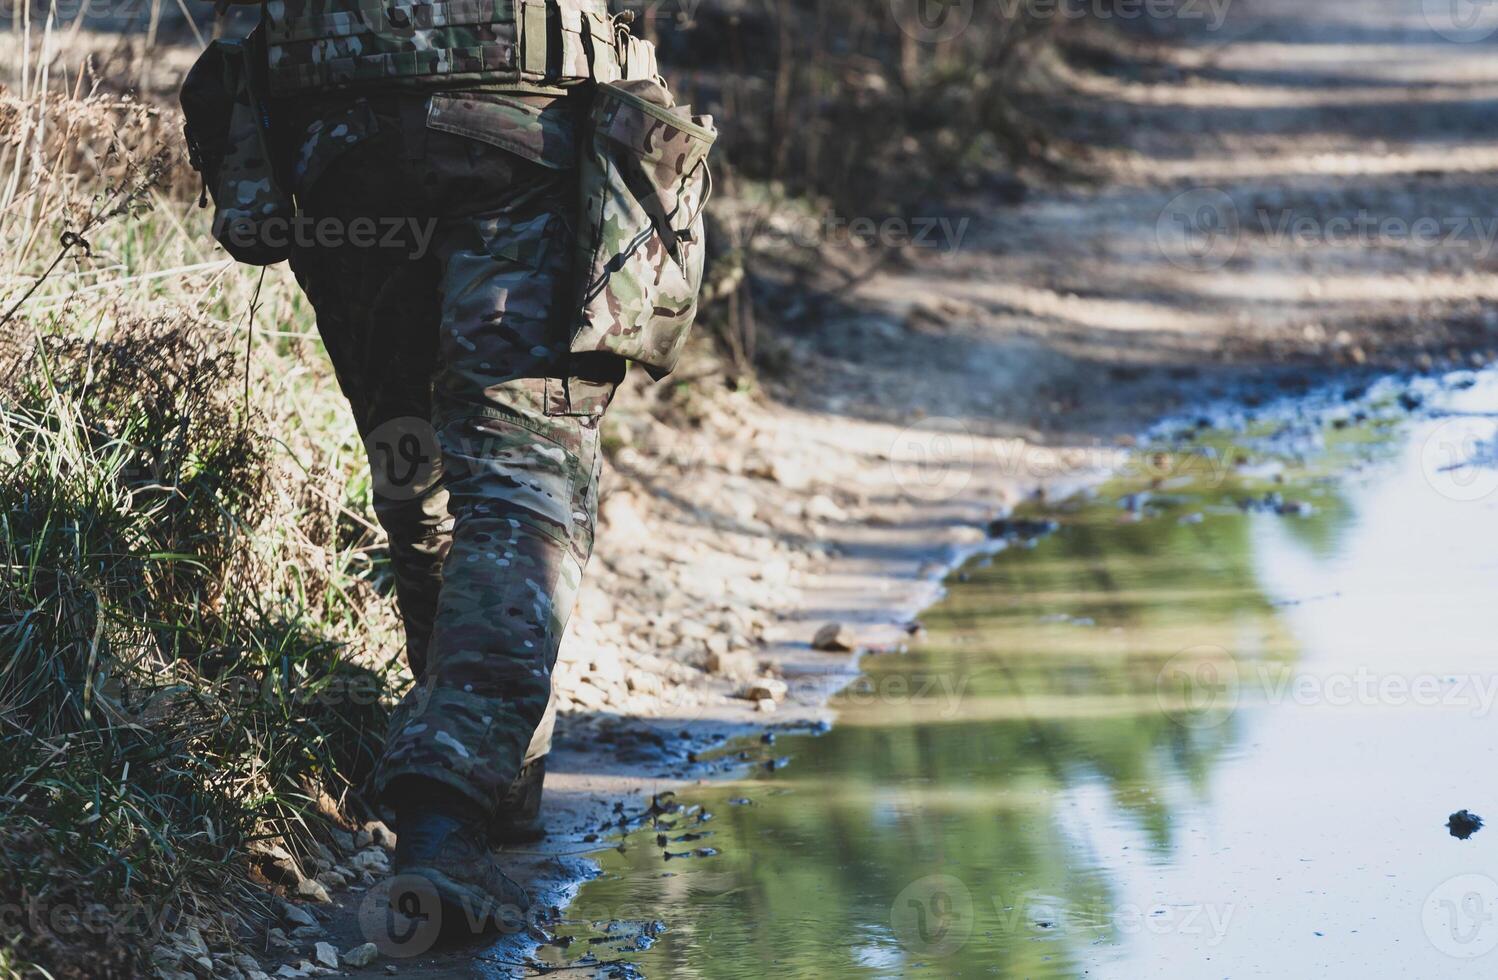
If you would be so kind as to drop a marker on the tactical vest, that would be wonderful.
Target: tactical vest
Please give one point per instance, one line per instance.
(321, 44)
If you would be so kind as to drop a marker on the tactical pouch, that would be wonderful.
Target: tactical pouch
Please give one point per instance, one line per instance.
(228, 129)
(645, 184)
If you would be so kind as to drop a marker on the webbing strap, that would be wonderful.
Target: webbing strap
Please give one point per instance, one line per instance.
(533, 38)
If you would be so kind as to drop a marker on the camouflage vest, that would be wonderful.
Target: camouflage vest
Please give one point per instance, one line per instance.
(321, 44)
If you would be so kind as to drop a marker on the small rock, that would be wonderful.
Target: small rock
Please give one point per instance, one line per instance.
(361, 956)
(371, 859)
(290, 972)
(380, 834)
(766, 706)
(326, 955)
(822, 508)
(766, 689)
(588, 696)
(1463, 824)
(296, 915)
(735, 665)
(644, 682)
(834, 637)
(1018, 527)
(313, 890)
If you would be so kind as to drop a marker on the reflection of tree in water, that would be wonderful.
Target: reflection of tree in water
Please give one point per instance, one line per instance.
(1051, 658)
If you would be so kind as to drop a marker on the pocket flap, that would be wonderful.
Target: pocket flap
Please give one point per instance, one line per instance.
(543, 136)
(661, 135)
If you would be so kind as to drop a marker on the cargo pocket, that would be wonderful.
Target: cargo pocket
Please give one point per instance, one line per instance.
(227, 129)
(644, 184)
(542, 134)
(581, 398)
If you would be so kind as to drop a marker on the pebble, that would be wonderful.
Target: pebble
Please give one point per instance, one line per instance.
(834, 637)
(822, 508)
(371, 859)
(313, 890)
(325, 954)
(735, 665)
(766, 689)
(361, 956)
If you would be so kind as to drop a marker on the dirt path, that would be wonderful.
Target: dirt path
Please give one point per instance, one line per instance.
(1309, 185)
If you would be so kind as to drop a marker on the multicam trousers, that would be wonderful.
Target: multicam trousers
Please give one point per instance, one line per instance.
(443, 324)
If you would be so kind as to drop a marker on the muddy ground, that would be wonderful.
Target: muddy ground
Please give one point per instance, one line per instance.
(1297, 192)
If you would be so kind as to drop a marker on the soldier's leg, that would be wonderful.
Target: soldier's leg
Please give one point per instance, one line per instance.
(377, 312)
(520, 453)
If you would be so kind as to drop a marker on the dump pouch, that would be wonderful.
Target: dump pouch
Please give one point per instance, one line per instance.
(644, 184)
(226, 106)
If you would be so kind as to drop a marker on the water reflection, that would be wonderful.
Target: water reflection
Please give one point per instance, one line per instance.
(1119, 753)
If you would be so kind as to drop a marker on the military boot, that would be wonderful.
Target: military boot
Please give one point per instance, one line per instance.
(442, 851)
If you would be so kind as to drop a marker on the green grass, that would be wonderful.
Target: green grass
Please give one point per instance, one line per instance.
(197, 651)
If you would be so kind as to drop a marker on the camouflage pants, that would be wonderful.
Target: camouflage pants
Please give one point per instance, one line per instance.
(444, 330)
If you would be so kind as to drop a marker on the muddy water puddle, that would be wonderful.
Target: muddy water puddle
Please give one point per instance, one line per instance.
(1212, 725)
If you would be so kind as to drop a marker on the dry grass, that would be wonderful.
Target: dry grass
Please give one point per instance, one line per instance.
(194, 598)
(195, 647)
